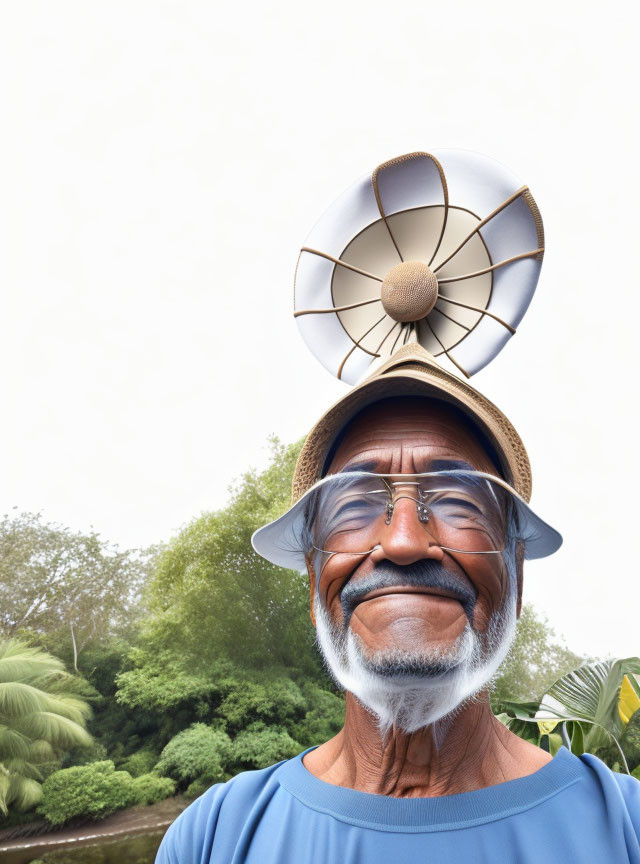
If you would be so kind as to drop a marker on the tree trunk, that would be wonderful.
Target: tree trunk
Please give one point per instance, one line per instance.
(75, 647)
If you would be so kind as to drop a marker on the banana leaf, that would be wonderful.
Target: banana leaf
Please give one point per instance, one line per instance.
(584, 710)
(591, 694)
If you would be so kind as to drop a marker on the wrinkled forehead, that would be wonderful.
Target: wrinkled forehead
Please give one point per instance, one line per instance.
(411, 435)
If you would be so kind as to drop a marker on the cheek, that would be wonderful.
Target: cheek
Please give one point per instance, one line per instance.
(334, 577)
(491, 581)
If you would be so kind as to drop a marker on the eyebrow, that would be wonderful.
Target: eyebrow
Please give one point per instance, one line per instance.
(436, 465)
(371, 465)
(451, 465)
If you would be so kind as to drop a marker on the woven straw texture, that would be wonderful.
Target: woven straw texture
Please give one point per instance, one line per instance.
(409, 291)
(412, 371)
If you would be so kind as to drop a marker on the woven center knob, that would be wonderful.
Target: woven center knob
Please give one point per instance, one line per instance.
(409, 291)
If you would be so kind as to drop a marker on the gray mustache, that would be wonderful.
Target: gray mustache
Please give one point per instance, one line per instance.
(420, 574)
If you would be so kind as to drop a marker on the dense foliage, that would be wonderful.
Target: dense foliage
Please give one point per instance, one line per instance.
(198, 752)
(149, 788)
(96, 790)
(260, 745)
(630, 743)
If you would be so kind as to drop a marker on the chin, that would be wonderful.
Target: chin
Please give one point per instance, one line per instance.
(399, 664)
(412, 689)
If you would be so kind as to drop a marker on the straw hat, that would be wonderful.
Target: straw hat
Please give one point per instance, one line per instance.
(412, 371)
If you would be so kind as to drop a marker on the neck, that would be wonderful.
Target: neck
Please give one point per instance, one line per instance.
(467, 751)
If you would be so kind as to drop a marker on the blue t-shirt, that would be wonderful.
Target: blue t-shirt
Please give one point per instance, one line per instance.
(571, 811)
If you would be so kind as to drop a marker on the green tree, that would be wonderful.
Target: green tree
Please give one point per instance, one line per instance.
(537, 659)
(211, 597)
(65, 588)
(41, 715)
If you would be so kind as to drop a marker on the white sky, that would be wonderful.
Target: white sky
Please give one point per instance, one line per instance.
(162, 162)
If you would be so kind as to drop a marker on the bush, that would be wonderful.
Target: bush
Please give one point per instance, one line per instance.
(94, 790)
(197, 788)
(149, 788)
(324, 717)
(260, 746)
(140, 763)
(95, 752)
(275, 701)
(198, 752)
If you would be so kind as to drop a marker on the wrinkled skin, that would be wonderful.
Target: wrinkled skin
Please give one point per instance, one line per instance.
(404, 436)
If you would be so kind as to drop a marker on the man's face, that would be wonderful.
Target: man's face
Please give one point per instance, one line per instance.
(408, 604)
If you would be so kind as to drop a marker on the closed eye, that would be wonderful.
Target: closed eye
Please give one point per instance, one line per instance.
(461, 503)
(357, 505)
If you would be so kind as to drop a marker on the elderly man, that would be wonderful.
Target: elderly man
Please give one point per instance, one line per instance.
(411, 518)
(414, 544)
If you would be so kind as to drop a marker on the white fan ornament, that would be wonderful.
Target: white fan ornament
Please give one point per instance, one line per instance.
(444, 249)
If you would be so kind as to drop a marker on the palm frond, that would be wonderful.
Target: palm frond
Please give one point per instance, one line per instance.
(5, 785)
(42, 712)
(28, 668)
(13, 743)
(69, 706)
(24, 768)
(61, 732)
(17, 699)
(24, 793)
(40, 751)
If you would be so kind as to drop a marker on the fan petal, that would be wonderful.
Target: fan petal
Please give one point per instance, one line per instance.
(409, 182)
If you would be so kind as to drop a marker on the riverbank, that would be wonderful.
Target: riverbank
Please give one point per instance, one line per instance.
(134, 820)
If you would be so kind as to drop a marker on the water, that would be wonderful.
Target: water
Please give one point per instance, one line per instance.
(139, 849)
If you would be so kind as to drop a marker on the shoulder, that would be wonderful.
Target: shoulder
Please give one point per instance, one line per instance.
(622, 791)
(628, 786)
(193, 831)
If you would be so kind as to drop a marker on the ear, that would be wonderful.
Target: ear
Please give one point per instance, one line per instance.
(520, 574)
(312, 589)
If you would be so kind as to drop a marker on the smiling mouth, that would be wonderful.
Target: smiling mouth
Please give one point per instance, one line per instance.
(410, 589)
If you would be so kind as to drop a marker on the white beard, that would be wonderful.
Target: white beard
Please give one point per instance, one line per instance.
(408, 700)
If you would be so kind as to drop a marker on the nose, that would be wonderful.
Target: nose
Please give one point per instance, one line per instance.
(405, 539)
